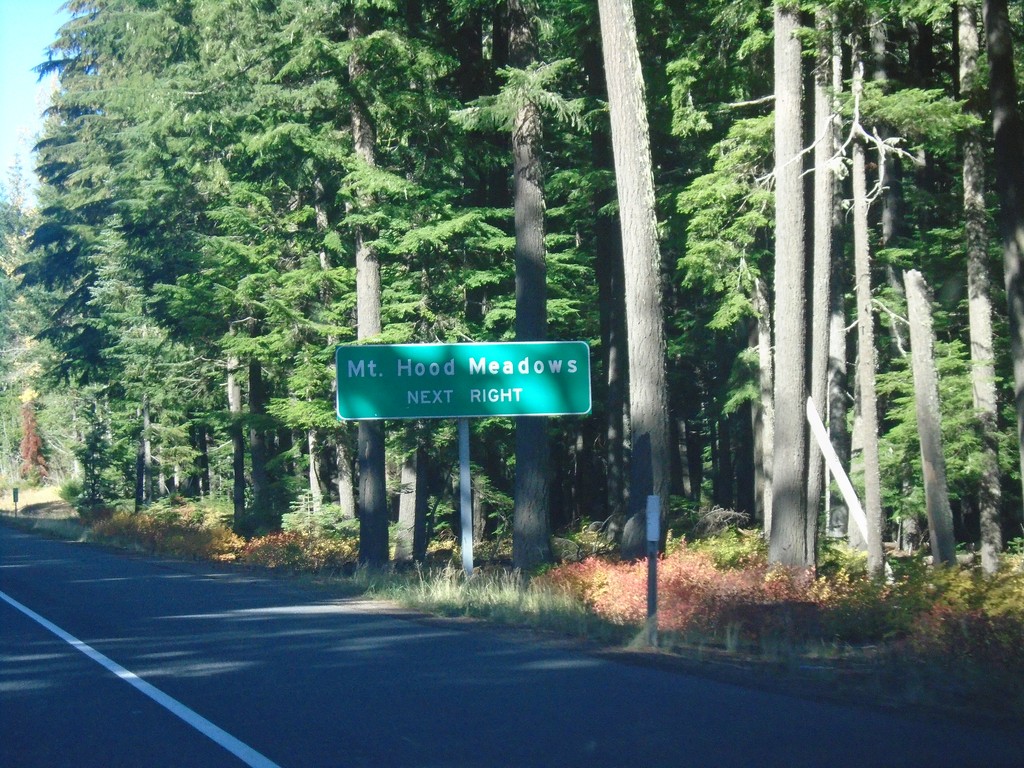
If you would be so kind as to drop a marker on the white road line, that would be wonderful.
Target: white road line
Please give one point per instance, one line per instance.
(242, 751)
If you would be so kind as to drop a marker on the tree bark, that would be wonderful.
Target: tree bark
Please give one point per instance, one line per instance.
(789, 541)
(825, 207)
(203, 461)
(838, 397)
(140, 463)
(237, 448)
(411, 537)
(262, 505)
(531, 534)
(979, 292)
(764, 413)
(929, 419)
(1009, 157)
(316, 491)
(373, 501)
(650, 461)
(345, 477)
(610, 278)
(866, 356)
(839, 432)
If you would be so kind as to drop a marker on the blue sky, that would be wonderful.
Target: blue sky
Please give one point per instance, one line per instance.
(27, 27)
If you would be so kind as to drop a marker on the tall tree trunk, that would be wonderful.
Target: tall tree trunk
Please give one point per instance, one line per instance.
(681, 438)
(723, 481)
(979, 292)
(316, 489)
(789, 542)
(259, 453)
(237, 449)
(373, 501)
(345, 477)
(825, 206)
(611, 297)
(890, 179)
(866, 355)
(147, 444)
(203, 447)
(838, 397)
(650, 462)
(764, 414)
(411, 538)
(611, 280)
(531, 534)
(929, 419)
(838, 430)
(140, 462)
(1009, 157)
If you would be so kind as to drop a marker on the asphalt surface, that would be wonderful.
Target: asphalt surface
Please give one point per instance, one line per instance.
(303, 680)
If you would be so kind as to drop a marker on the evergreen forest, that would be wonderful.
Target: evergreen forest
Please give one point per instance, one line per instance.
(819, 201)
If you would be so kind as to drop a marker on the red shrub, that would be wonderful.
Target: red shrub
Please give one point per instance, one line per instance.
(299, 552)
(694, 595)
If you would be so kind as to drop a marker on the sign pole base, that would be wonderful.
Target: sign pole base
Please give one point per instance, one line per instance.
(465, 497)
(653, 539)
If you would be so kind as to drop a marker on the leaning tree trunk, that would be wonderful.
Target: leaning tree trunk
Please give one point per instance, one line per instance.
(1009, 157)
(373, 500)
(789, 539)
(650, 461)
(929, 419)
(979, 293)
(531, 534)
(866, 355)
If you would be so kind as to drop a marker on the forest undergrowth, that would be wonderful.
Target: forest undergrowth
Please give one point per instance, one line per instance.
(948, 639)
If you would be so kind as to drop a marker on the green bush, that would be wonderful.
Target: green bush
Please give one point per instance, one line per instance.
(71, 491)
(734, 548)
(327, 521)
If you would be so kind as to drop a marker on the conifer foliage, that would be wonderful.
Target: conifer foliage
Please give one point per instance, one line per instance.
(230, 189)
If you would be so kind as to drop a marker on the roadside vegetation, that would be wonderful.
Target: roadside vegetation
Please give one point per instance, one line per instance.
(946, 638)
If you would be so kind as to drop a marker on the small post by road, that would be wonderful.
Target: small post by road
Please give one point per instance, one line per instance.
(14, 491)
(653, 535)
(465, 497)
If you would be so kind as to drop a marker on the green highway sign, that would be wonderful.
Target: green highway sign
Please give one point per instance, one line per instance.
(435, 381)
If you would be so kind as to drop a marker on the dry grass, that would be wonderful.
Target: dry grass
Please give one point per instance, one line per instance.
(42, 511)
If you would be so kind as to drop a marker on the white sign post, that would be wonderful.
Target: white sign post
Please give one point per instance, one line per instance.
(653, 536)
(465, 498)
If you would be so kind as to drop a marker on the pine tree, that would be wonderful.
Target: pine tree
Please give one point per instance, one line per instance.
(790, 542)
(33, 462)
(648, 395)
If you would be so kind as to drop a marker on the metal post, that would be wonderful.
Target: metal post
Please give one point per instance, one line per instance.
(466, 497)
(653, 535)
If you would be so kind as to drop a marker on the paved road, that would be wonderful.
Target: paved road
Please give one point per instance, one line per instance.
(303, 681)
